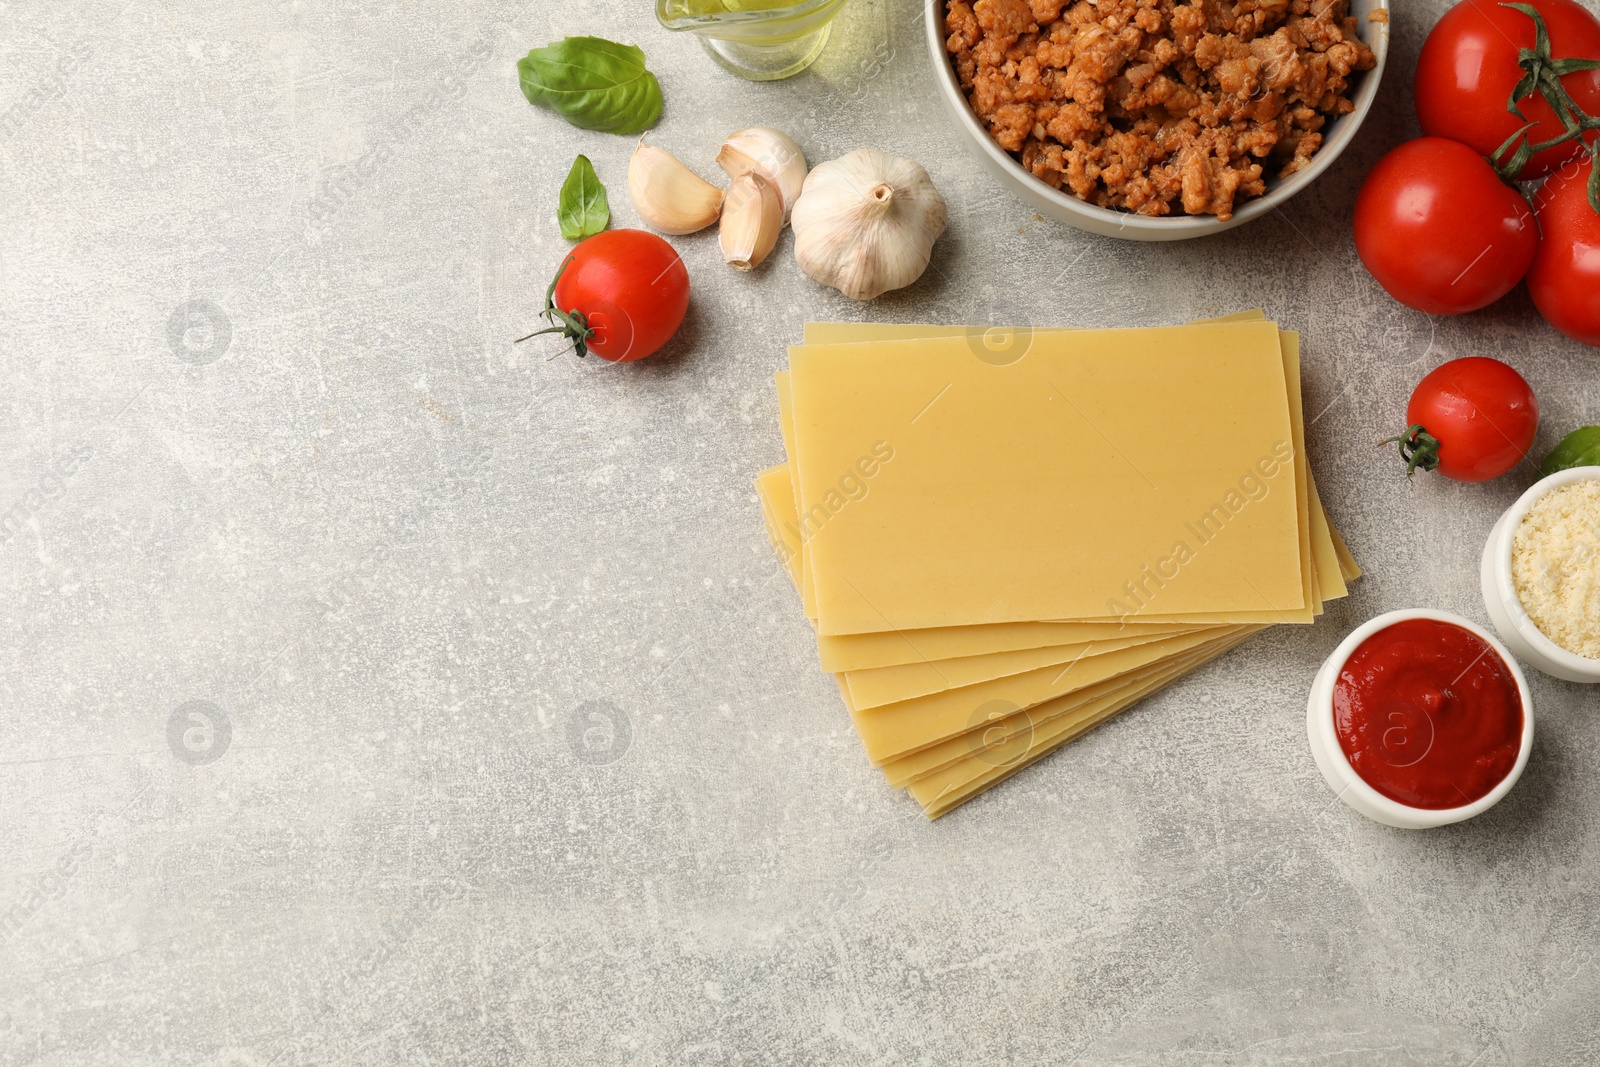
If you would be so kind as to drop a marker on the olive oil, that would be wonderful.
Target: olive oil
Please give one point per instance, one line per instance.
(758, 39)
(692, 8)
(750, 22)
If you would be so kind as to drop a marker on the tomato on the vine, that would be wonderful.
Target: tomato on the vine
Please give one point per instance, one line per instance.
(1439, 229)
(1469, 67)
(620, 294)
(1564, 280)
(1471, 420)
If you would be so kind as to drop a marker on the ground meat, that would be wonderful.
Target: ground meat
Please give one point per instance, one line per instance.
(1156, 106)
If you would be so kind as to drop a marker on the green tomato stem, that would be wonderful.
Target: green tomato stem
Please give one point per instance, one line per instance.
(1543, 74)
(1418, 447)
(573, 324)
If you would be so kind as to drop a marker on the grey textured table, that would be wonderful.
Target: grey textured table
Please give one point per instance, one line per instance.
(513, 747)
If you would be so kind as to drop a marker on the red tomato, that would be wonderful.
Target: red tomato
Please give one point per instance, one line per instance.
(620, 294)
(1439, 229)
(1471, 419)
(1468, 69)
(1565, 278)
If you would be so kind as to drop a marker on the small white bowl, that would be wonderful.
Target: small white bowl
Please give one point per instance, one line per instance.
(1342, 778)
(1108, 222)
(1505, 608)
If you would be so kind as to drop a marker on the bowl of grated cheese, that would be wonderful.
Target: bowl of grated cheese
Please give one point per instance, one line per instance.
(1541, 575)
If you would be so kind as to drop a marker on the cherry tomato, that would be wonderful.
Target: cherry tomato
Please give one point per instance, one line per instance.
(620, 294)
(1471, 420)
(1468, 70)
(1439, 229)
(1564, 280)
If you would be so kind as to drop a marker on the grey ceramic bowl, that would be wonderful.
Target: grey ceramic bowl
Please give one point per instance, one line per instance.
(1127, 225)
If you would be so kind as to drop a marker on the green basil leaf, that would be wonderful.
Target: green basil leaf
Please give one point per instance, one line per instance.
(1580, 448)
(583, 210)
(593, 83)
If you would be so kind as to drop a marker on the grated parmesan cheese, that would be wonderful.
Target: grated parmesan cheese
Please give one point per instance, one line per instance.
(1555, 566)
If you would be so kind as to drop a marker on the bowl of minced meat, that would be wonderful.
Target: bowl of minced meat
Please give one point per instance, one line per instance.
(1154, 120)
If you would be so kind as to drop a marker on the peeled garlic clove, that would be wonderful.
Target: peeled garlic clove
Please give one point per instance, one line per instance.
(865, 223)
(752, 217)
(669, 196)
(769, 153)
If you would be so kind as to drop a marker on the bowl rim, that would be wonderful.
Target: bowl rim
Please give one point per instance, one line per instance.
(1505, 585)
(1198, 225)
(1395, 812)
(794, 9)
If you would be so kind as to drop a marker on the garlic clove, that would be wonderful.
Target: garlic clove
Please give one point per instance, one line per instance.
(771, 154)
(866, 222)
(669, 196)
(752, 216)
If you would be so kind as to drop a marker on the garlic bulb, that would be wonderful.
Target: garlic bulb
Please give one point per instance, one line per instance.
(752, 215)
(772, 155)
(669, 196)
(865, 223)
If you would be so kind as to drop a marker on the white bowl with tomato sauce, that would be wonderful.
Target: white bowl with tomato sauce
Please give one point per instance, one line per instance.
(1416, 710)
(1373, 19)
(1505, 607)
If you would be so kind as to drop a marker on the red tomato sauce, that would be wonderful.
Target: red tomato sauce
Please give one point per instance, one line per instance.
(1428, 714)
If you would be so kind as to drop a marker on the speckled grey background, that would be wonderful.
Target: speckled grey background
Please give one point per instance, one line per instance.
(511, 744)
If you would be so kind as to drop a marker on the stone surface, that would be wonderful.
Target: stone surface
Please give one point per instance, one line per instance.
(510, 746)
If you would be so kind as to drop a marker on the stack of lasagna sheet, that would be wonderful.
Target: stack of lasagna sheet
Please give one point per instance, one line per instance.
(1005, 537)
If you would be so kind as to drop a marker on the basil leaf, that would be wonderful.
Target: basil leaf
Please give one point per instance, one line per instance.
(593, 83)
(583, 210)
(1580, 448)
